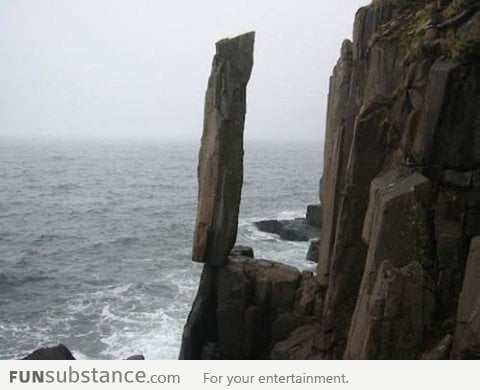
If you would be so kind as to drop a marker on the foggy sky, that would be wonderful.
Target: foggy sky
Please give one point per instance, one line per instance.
(139, 68)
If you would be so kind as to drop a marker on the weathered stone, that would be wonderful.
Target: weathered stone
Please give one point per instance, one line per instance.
(241, 307)
(455, 178)
(220, 168)
(391, 321)
(201, 326)
(349, 250)
(256, 335)
(396, 292)
(476, 178)
(233, 293)
(313, 250)
(355, 146)
(441, 351)
(136, 357)
(449, 132)
(284, 324)
(472, 211)
(300, 345)
(467, 335)
(416, 99)
(289, 229)
(314, 215)
(337, 144)
(451, 248)
(468, 344)
(307, 296)
(470, 30)
(59, 352)
(435, 95)
(284, 284)
(210, 351)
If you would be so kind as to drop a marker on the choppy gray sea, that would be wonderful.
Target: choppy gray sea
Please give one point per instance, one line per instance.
(95, 239)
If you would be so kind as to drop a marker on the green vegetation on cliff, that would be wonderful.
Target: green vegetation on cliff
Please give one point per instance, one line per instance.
(433, 28)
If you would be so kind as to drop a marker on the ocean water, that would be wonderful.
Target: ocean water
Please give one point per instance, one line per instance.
(95, 239)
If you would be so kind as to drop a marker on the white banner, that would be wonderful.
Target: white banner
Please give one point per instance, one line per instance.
(169, 374)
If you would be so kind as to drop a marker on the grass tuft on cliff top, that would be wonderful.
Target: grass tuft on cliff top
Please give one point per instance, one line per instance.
(416, 28)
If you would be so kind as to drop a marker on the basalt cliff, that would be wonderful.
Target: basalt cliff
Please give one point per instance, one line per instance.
(399, 261)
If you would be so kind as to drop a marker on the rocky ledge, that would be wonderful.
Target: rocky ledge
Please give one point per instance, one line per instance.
(298, 229)
(247, 308)
(289, 229)
(61, 352)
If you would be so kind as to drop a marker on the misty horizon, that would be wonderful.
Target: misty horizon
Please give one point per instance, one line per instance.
(123, 70)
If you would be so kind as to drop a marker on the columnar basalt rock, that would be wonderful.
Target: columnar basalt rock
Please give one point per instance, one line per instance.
(399, 196)
(467, 336)
(355, 149)
(395, 303)
(244, 308)
(220, 167)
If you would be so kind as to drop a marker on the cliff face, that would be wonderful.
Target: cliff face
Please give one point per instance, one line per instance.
(399, 259)
(400, 199)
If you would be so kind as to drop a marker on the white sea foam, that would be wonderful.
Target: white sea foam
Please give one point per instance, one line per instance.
(291, 214)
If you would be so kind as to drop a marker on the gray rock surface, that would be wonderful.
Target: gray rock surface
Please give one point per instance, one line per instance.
(136, 357)
(392, 255)
(220, 167)
(313, 250)
(245, 307)
(289, 229)
(467, 335)
(59, 352)
(314, 215)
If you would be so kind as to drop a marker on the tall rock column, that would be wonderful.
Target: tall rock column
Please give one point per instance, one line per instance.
(220, 179)
(220, 167)
(355, 150)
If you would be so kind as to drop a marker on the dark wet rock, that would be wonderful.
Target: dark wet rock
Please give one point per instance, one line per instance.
(136, 357)
(467, 335)
(289, 229)
(210, 352)
(313, 250)
(395, 301)
(59, 352)
(399, 315)
(467, 343)
(248, 307)
(220, 167)
(309, 297)
(240, 250)
(314, 215)
(441, 351)
(284, 324)
(300, 345)
(201, 327)
(400, 192)
(298, 229)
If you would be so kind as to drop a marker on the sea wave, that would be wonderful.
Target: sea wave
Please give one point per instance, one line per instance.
(110, 227)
